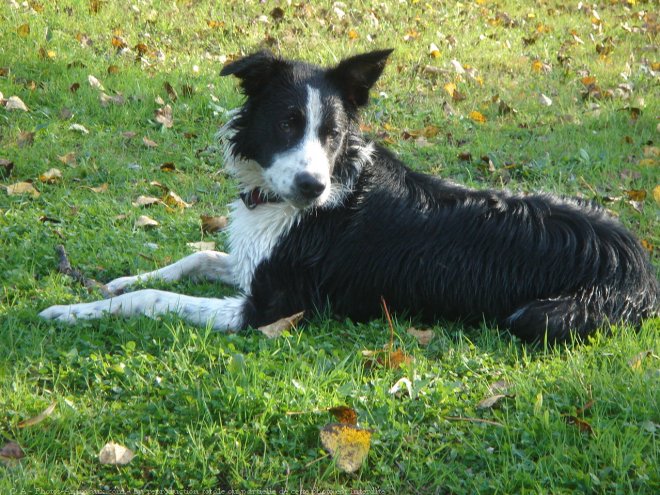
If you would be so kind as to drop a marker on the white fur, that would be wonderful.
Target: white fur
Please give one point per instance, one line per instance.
(309, 156)
(220, 314)
(254, 233)
(205, 265)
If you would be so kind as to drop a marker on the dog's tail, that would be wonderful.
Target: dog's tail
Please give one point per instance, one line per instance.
(627, 294)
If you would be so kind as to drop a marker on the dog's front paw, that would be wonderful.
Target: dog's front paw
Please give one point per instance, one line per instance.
(119, 285)
(70, 313)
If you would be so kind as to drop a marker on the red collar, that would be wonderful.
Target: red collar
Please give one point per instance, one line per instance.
(257, 197)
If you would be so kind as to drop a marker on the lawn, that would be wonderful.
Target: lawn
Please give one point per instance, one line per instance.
(104, 102)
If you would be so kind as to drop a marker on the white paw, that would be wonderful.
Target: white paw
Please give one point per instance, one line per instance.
(119, 285)
(72, 312)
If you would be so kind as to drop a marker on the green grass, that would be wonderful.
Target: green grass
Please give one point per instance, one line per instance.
(207, 410)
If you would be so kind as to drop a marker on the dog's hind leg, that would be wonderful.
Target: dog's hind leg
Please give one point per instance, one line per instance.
(204, 265)
(225, 314)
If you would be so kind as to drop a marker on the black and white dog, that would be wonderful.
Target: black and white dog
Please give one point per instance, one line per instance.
(327, 220)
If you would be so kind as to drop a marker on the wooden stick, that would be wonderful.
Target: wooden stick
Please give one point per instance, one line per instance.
(64, 267)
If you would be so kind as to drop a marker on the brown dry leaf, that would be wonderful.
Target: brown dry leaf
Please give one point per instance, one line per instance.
(393, 359)
(213, 224)
(115, 455)
(636, 194)
(648, 246)
(11, 450)
(145, 201)
(22, 188)
(99, 189)
(582, 425)
(6, 167)
(15, 103)
(128, 134)
(68, 159)
(344, 414)
(275, 329)
(25, 138)
(113, 69)
(171, 92)
(424, 337)
(149, 143)
(501, 386)
(106, 100)
(168, 167)
(164, 116)
(465, 156)
(651, 151)
(145, 222)
(119, 43)
(348, 445)
(201, 246)
(174, 200)
(490, 402)
(477, 117)
(51, 176)
(38, 418)
(74, 87)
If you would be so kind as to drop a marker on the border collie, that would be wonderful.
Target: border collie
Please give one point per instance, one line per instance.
(329, 221)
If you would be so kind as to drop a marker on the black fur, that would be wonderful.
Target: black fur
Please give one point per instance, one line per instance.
(535, 264)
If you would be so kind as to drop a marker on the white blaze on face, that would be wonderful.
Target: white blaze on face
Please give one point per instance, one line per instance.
(307, 156)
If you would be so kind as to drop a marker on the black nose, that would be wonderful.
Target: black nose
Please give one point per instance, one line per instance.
(309, 186)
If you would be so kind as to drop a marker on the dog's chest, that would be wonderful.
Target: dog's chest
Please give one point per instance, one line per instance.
(253, 234)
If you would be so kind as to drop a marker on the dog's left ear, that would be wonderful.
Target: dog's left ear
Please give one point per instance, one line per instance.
(253, 70)
(356, 75)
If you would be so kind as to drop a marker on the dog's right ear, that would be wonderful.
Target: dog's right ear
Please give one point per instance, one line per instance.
(253, 70)
(356, 75)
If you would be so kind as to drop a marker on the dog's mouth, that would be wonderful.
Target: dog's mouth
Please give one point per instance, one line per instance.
(258, 196)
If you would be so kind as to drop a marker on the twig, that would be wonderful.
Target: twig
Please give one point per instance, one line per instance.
(474, 420)
(389, 321)
(64, 267)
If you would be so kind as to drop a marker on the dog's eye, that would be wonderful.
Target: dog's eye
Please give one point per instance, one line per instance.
(285, 126)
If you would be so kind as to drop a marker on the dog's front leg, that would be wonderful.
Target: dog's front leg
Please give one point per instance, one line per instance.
(204, 265)
(221, 314)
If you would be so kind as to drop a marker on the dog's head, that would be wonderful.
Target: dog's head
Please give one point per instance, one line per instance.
(298, 123)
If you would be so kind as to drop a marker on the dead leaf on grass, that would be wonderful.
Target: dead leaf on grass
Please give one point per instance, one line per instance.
(275, 329)
(490, 402)
(6, 167)
(51, 176)
(424, 337)
(163, 116)
(581, 424)
(115, 455)
(201, 246)
(347, 444)
(78, 128)
(22, 188)
(344, 414)
(25, 138)
(68, 159)
(15, 103)
(145, 222)
(95, 83)
(213, 224)
(145, 201)
(174, 200)
(38, 418)
(10, 453)
(149, 143)
(636, 361)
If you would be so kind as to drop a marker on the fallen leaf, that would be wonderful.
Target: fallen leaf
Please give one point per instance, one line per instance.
(656, 194)
(95, 83)
(477, 117)
(636, 361)
(344, 414)
(68, 159)
(145, 222)
(353, 34)
(6, 167)
(636, 194)
(434, 51)
(115, 455)
(164, 116)
(78, 128)
(128, 134)
(544, 100)
(174, 200)
(15, 103)
(275, 329)
(106, 100)
(213, 224)
(490, 402)
(393, 359)
(458, 67)
(25, 138)
(22, 188)
(423, 337)
(113, 69)
(171, 92)
(348, 445)
(10, 453)
(145, 201)
(201, 246)
(149, 143)
(501, 386)
(168, 167)
(99, 189)
(582, 425)
(74, 87)
(23, 30)
(38, 418)
(51, 176)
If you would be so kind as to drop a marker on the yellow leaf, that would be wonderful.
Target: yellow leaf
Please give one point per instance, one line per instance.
(174, 200)
(636, 194)
(656, 194)
(51, 176)
(434, 51)
(68, 159)
(450, 88)
(353, 35)
(477, 117)
(537, 66)
(22, 188)
(348, 445)
(23, 30)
